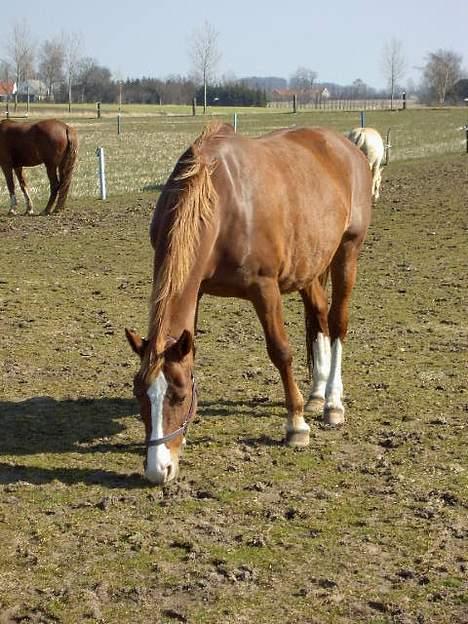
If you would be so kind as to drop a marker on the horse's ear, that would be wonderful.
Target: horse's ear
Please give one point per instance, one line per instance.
(136, 342)
(183, 346)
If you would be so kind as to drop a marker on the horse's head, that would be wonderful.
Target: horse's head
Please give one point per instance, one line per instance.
(167, 397)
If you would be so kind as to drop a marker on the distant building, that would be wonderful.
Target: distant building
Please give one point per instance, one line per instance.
(7, 89)
(36, 88)
(314, 94)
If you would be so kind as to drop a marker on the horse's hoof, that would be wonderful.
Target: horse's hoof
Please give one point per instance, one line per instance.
(297, 439)
(333, 416)
(314, 405)
(12, 213)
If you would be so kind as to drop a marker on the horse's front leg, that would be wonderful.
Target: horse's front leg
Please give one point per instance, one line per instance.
(22, 183)
(266, 299)
(8, 172)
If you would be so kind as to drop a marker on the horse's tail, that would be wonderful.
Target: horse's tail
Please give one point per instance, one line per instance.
(357, 136)
(66, 167)
(311, 324)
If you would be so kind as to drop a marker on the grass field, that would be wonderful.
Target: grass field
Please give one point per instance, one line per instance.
(367, 525)
(142, 156)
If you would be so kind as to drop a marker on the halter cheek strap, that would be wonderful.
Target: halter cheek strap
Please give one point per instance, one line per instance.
(183, 428)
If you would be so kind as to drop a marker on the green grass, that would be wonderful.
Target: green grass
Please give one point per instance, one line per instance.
(143, 155)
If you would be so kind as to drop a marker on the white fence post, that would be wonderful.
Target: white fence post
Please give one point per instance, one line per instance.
(102, 172)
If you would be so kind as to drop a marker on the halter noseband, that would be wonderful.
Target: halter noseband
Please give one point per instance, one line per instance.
(183, 428)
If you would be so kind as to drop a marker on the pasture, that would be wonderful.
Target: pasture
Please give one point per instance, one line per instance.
(366, 525)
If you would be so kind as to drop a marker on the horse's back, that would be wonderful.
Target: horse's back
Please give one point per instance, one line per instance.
(26, 144)
(286, 199)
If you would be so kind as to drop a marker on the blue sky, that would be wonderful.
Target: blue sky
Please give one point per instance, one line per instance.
(339, 39)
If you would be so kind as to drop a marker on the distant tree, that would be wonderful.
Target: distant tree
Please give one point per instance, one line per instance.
(234, 94)
(441, 71)
(51, 63)
(205, 56)
(72, 46)
(302, 81)
(265, 83)
(20, 50)
(6, 71)
(360, 89)
(94, 82)
(393, 65)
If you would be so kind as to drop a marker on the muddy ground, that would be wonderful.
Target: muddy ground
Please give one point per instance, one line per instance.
(366, 525)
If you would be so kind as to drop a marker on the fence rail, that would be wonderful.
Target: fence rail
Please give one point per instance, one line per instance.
(340, 104)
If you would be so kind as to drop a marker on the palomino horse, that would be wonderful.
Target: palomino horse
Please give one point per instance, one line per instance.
(371, 143)
(29, 144)
(251, 218)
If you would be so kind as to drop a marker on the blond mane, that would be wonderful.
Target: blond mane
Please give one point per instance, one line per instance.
(195, 197)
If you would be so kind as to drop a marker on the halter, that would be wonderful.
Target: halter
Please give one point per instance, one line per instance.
(183, 428)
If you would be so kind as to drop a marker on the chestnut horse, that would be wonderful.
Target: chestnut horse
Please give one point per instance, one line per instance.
(50, 142)
(251, 218)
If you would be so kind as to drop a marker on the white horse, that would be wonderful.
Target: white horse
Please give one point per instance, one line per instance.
(371, 144)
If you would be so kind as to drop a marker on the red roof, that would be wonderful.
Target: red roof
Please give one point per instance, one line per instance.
(7, 87)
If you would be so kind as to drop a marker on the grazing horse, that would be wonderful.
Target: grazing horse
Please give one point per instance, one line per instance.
(50, 142)
(251, 218)
(371, 143)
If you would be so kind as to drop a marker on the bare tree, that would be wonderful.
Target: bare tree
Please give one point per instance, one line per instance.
(72, 45)
(302, 81)
(51, 63)
(205, 55)
(442, 70)
(20, 50)
(393, 65)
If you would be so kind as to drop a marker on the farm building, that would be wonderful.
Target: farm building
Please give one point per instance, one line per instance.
(36, 89)
(7, 89)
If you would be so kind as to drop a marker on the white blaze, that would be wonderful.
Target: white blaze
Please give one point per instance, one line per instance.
(158, 458)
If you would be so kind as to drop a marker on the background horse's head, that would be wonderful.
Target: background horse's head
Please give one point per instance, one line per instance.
(165, 389)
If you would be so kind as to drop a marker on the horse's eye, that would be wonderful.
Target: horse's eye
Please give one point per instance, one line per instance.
(175, 397)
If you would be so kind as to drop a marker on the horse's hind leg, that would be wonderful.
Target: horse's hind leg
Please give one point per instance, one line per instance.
(318, 342)
(343, 274)
(8, 172)
(376, 178)
(266, 299)
(54, 187)
(22, 183)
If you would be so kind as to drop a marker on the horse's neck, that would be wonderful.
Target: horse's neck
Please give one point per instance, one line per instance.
(173, 315)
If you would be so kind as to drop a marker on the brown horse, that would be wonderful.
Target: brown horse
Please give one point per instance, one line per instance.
(29, 144)
(251, 218)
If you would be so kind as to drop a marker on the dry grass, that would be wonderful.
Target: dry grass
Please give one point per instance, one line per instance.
(143, 155)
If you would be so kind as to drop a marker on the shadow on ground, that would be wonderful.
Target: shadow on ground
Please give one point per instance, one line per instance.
(44, 424)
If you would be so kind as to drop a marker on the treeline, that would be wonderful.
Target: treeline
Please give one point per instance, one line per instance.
(179, 90)
(233, 94)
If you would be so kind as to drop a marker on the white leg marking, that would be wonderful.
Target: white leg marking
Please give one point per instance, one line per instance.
(158, 458)
(297, 425)
(334, 389)
(321, 370)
